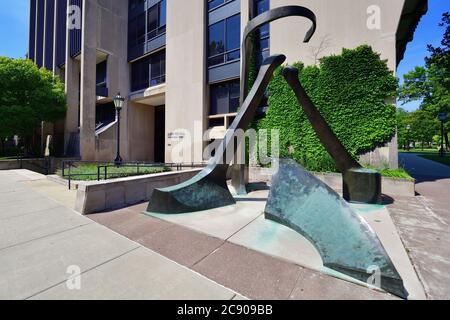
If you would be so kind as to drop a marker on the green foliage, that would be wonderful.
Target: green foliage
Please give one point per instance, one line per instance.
(431, 84)
(396, 173)
(350, 90)
(28, 96)
(403, 121)
(424, 125)
(89, 172)
(442, 160)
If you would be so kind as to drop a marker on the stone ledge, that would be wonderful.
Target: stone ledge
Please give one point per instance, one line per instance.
(9, 164)
(101, 196)
(390, 186)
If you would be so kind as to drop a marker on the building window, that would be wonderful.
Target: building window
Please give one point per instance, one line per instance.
(147, 25)
(156, 20)
(136, 31)
(224, 97)
(213, 4)
(224, 41)
(101, 74)
(104, 115)
(262, 6)
(149, 71)
(136, 3)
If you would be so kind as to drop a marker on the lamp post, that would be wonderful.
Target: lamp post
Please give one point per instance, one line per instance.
(408, 143)
(118, 103)
(442, 118)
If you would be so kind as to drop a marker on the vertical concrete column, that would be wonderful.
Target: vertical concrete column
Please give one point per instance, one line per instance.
(119, 62)
(72, 87)
(186, 103)
(88, 78)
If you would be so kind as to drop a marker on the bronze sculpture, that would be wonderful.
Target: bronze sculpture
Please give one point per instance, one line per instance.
(297, 199)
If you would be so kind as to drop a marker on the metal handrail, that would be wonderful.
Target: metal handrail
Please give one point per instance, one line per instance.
(102, 168)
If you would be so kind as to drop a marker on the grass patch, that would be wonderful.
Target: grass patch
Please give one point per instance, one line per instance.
(443, 160)
(424, 151)
(89, 172)
(393, 173)
(396, 173)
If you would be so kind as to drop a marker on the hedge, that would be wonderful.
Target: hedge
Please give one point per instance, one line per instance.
(351, 91)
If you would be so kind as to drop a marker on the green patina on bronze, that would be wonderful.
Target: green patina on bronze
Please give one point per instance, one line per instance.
(344, 240)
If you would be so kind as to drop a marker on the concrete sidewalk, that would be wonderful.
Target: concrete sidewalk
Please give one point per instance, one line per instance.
(41, 240)
(424, 223)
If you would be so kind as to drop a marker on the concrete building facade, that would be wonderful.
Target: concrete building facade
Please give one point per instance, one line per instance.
(178, 64)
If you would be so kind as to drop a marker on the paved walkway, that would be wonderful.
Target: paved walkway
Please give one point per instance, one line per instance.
(424, 223)
(42, 243)
(126, 255)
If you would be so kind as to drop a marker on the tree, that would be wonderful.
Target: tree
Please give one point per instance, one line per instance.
(423, 127)
(28, 96)
(431, 83)
(403, 120)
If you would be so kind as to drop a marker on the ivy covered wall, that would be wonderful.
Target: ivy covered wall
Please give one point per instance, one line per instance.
(351, 90)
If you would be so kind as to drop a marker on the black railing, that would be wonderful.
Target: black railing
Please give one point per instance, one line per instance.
(99, 171)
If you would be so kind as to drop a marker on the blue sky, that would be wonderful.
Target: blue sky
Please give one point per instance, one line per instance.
(14, 34)
(428, 32)
(14, 28)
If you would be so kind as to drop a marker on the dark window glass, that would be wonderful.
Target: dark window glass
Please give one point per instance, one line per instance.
(162, 13)
(136, 31)
(104, 115)
(140, 29)
(147, 25)
(152, 19)
(235, 90)
(233, 35)
(264, 44)
(262, 6)
(264, 31)
(136, 3)
(101, 74)
(212, 4)
(224, 41)
(156, 20)
(149, 71)
(224, 97)
(217, 38)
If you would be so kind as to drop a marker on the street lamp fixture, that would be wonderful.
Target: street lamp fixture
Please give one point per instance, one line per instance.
(118, 103)
(408, 130)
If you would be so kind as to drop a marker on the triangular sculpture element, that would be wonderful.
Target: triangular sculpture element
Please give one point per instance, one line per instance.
(209, 189)
(345, 241)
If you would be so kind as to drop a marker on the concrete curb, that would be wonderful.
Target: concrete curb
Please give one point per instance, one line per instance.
(101, 196)
(390, 186)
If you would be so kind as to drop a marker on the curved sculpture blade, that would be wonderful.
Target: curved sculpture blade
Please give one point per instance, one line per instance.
(345, 241)
(209, 189)
(259, 21)
(240, 173)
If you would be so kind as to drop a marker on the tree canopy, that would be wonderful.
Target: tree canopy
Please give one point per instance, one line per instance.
(429, 84)
(28, 96)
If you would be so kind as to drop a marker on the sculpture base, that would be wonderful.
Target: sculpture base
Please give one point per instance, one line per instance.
(239, 179)
(363, 186)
